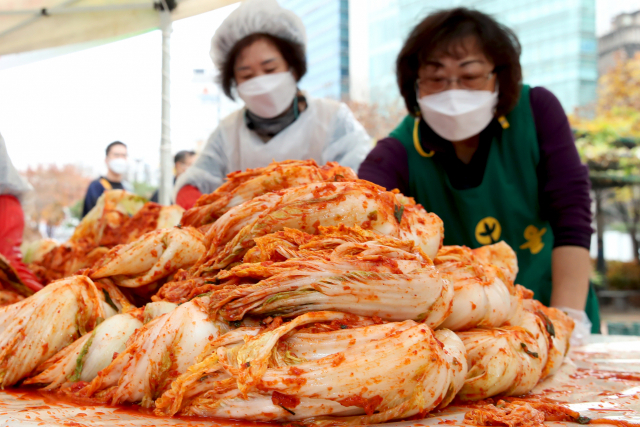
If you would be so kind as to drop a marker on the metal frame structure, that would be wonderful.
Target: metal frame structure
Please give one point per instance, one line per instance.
(166, 10)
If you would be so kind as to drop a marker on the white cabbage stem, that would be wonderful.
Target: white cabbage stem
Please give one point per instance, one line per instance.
(110, 210)
(511, 359)
(338, 242)
(243, 186)
(482, 293)
(82, 360)
(153, 256)
(158, 351)
(559, 327)
(300, 286)
(318, 204)
(396, 370)
(33, 330)
(502, 256)
(157, 309)
(169, 216)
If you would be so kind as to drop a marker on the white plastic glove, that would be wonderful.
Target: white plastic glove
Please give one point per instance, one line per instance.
(582, 329)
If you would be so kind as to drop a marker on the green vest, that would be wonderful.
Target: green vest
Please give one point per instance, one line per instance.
(504, 206)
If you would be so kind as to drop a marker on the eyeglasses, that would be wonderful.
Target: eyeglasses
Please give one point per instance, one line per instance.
(439, 84)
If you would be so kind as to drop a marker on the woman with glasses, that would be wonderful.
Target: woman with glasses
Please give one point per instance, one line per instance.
(493, 157)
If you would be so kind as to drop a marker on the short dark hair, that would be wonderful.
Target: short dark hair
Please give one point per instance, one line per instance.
(444, 32)
(182, 155)
(113, 144)
(293, 53)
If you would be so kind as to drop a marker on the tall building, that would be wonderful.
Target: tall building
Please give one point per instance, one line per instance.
(557, 36)
(327, 25)
(622, 42)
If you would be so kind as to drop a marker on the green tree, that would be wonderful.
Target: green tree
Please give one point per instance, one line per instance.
(143, 189)
(76, 209)
(608, 144)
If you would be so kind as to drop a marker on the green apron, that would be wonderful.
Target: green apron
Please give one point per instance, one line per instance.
(503, 207)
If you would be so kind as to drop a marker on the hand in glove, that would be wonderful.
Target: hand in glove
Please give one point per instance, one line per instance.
(582, 330)
(11, 228)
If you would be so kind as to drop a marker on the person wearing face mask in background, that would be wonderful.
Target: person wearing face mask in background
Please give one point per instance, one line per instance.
(494, 158)
(260, 53)
(117, 166)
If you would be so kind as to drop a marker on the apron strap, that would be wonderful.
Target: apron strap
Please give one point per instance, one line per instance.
(416, 140)
(106, 184)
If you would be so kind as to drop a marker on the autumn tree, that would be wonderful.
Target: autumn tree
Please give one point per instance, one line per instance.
(378, 121)
(56, 188)
(609, 145)
(620, 88)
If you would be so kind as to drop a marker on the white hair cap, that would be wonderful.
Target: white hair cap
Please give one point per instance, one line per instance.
(255, 16)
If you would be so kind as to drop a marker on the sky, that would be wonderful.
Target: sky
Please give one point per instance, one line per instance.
(606, 10)
(66, 109)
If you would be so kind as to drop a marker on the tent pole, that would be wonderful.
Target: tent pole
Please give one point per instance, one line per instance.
(166, 168)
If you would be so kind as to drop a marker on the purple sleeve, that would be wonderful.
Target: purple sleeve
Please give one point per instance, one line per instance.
(563, 180)
(387, 165)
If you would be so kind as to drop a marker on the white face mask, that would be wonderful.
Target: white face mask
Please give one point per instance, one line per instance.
(269, 95)
(458, 114)
(118, 166)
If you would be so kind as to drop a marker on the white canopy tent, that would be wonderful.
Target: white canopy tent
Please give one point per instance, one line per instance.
(27, 25)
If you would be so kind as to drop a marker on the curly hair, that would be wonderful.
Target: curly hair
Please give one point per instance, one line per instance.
(444, 33)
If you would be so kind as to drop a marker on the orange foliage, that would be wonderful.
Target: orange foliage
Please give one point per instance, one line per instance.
(620, 87)
(377, 121)
(54, 189)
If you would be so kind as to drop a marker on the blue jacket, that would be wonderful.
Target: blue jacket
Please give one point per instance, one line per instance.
(95, 190)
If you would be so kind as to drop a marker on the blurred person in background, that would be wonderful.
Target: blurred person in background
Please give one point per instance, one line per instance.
(181, 161)
(12, 188)
(494, 158)
(117, 167)
(259, 51)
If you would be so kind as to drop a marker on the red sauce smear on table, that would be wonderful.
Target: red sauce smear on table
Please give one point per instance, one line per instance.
(55, 399)
(486, 412)
(513, 412)
(605, 375)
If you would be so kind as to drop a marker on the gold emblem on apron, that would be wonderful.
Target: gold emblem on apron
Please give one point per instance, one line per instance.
(533, 237)
(488, 231)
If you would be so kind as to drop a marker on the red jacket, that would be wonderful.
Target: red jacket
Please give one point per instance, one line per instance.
(187, 196)
(11, 228)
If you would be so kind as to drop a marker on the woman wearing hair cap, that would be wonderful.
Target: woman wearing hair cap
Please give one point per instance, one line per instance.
(259, 51)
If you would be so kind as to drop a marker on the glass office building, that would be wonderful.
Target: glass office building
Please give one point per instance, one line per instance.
(559, 48)
(327, 25)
